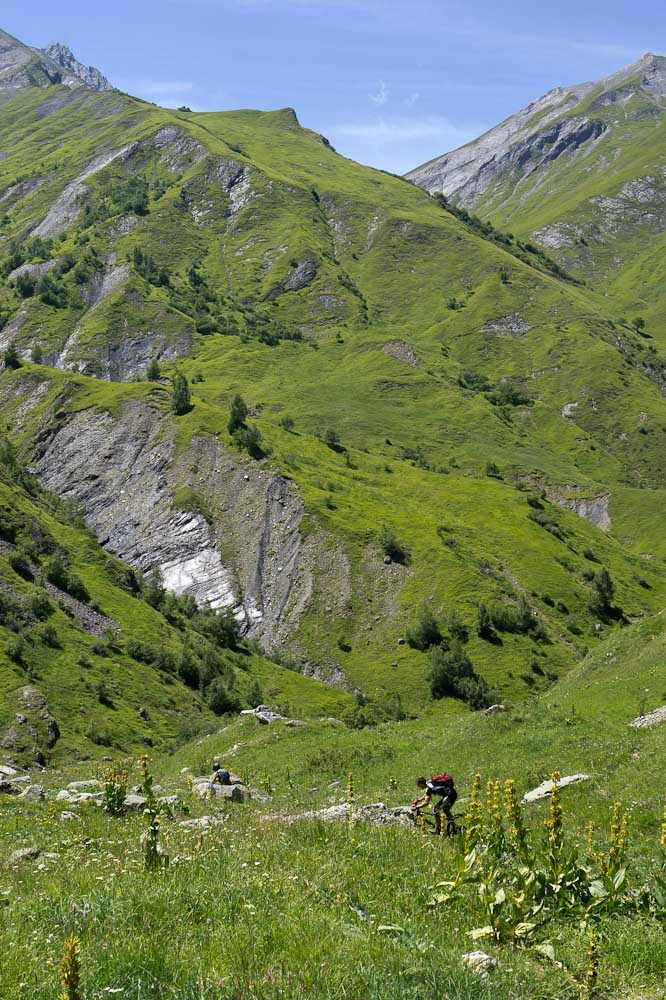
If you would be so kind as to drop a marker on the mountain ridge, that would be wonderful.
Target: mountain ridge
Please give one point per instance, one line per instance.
(453, 173)
(410, 377)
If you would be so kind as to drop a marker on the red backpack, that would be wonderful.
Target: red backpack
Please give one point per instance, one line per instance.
(442, 779)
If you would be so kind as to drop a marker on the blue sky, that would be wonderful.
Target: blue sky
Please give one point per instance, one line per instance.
(391, 83)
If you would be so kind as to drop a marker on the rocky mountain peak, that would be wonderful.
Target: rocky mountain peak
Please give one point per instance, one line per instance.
(63, 56)
(22, 66)
(565, 121)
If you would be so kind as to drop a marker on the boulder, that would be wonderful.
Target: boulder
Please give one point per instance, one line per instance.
(7, 788)
(651, 719)
(232, 793)
(377, 813)
(480, 963)
(33, 793)
(546, 787)
(264, 713)
(7, 771)
(64, 796)
(494, 710)
(133, 801)
(201, 822)
(24, 854)
(67, 816)
(91, 785)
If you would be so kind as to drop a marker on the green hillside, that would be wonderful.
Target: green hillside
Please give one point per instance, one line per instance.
(266, 901)
(96, 659)
(433, 405)
(582, 176)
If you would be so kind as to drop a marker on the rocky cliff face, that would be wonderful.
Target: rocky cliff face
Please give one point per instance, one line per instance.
(549, 128)
(63, 56)
(22, 66)
(215, 527)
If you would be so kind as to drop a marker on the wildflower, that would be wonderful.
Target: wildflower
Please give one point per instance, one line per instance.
(554, 823)
(592, 964)
(70, 970)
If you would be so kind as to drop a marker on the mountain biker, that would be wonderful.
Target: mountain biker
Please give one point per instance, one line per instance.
(440, 785)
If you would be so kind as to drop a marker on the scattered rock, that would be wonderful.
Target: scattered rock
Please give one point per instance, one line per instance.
(480, 963)
(401, 351)
(33, 793)
(546, 787)
(85, 786)
(64, 796)
(264, 714)
(494, 709)
(67, 816)
(24, 854)
(133, 801)
(377, 813)
(201, 822)
(651, 719)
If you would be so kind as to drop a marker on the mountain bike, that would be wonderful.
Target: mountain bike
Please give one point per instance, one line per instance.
(451, 828)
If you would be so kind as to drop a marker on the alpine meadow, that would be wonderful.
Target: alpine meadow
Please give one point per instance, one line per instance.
(315, 479)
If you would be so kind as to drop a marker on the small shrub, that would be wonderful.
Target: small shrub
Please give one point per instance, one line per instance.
(237, 413)
(425, 632)
(48, 634)
(181, 402)
(16, 648)
(391, 547)
(249, 439)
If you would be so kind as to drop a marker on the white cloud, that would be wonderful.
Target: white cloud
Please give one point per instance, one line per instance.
(410, 101)
(398, 129)
(382, 95)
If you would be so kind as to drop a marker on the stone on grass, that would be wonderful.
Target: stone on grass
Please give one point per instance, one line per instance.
(201, 822)
(479, 962)
(24, 854)
(67, 816)
(494, 709)
(33, 793)
(92, 785)
(546, 787)
(651, 719)
(133, 801)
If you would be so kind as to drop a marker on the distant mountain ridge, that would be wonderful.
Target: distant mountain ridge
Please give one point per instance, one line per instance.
(564, 120)
(63, 56)
(22, 66)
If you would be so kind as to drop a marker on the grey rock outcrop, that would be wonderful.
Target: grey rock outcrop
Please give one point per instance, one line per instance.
(24, 854)
(544, 131)
(136, 469)
(22, 66)
(543, 790)
(63, 56)
(653, 718)
(33, 793)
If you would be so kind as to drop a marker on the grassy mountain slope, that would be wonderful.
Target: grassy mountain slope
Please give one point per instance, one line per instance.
(438, 382)
(85, 645)
(267, 902)
(581, 173)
